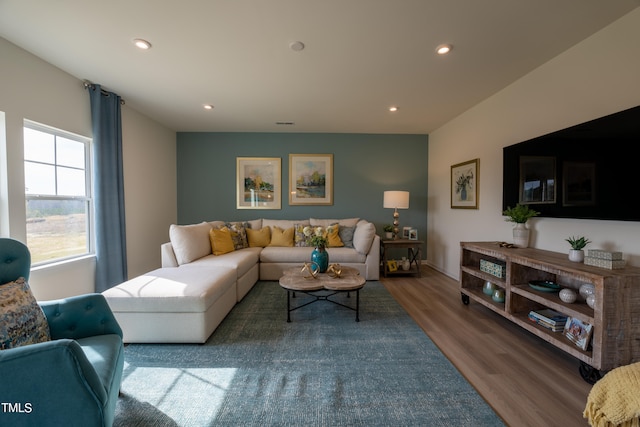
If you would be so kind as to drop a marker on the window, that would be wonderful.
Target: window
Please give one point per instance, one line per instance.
(58, 193)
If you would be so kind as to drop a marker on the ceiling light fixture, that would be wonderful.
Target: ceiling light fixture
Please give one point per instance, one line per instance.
(296, 46)
(443, 49)
(142, 44)
(393, 109)
(208, 107)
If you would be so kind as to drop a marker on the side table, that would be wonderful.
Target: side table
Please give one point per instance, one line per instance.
(414, 255)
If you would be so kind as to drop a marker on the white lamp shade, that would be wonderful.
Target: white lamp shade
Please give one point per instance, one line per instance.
(396, 199)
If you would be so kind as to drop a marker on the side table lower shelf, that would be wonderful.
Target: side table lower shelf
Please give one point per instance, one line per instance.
(414, 255)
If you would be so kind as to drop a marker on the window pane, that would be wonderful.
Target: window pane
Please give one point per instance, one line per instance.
(70, 182)
(56, 229)
(39, 178)
(39, 146)
(70, 153)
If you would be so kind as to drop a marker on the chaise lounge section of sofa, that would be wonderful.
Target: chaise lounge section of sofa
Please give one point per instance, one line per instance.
(197, 286)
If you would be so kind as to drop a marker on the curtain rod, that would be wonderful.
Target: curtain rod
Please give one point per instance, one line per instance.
(88, 85)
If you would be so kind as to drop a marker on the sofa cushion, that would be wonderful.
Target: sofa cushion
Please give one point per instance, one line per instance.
(346, 222)
(283, 223)
(221, 240)
(172, 290)
(259, 238)
(241, 260)
(363, 236)
(22, 321)
(280, 237)
(294, 255)
(190, 242)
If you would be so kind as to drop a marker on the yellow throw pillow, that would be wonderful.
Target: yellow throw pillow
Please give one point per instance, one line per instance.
(221, 241)
(259, 238)
(280, 237)
(333, 238)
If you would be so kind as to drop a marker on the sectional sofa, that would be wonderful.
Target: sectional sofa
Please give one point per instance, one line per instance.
(201, 280)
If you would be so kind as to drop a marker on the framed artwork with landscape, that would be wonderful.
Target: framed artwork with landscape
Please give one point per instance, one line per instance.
(464, 185)
(258, 183)
(310, 179)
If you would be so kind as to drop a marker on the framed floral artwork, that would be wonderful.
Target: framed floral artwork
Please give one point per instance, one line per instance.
(465, 184)
(310, 179)
(258, 183)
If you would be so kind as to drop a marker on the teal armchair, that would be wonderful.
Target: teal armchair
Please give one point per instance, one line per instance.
(72, 380)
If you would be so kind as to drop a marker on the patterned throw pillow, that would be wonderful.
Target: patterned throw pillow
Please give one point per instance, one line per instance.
(22, 321)
(299, 239)
(240, 234)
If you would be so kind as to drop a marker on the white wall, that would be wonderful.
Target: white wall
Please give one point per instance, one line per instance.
(33, 89)
(599, 76)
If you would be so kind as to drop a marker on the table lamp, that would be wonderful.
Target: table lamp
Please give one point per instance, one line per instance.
(396, 200)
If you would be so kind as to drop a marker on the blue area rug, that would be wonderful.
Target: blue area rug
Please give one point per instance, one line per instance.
(322, 369)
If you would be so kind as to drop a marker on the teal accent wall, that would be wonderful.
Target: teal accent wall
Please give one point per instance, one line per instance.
(364, 167)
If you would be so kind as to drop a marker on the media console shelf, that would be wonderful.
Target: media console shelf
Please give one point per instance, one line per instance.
(615, 317)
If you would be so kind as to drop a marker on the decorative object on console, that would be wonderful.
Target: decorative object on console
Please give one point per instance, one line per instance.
(578, 332)
(520, 214)
(413, 234)
(396, 200)
(495, 268)
(310, 179)
(388, 231)
(591, 300)
(568, 295)
(488, 288)
(405, 232)
(464, 185)
(576, 254)
(258, 184)
(406, 264)
(604, 259)
(586, 289)
(498, 295)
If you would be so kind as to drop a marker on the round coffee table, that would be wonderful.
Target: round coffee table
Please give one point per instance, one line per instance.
(297, 279)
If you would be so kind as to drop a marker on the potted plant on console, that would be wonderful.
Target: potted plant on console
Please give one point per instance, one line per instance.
(520, 214)
(576, 253)
(388, 231)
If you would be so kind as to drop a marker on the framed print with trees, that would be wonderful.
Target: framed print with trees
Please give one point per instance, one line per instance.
(258, 183)
(310, 179)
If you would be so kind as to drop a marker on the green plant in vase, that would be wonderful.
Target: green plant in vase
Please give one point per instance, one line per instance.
(388, 230)
(520, 214)
(576, 254)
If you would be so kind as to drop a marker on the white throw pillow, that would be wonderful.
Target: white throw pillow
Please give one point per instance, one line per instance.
(190, 242)
(363, 236)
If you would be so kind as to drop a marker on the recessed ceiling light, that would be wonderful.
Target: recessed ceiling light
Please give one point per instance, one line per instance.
(393, 109)
(208, 107)
(142, 44)
(443, 49)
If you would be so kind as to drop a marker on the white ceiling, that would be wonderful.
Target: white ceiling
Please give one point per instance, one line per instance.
(361, 56)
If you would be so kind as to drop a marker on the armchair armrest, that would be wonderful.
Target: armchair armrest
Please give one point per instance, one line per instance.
(61, 366)
(80, 317)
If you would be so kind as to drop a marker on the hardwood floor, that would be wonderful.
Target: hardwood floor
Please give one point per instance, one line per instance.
(526, 381)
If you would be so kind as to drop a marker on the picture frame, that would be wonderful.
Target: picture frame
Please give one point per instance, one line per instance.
(258, 183)
(413, 234)
(578, 332)
(465, 184)
(405, 232)
(310, 179)
(392, 265)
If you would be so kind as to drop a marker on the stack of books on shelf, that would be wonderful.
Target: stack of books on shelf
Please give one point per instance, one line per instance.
(549, 319)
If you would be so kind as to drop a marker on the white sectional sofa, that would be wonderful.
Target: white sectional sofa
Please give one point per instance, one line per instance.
(186, 299)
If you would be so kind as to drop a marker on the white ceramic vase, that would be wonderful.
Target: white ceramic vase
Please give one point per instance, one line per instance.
(521, 235)
(576, 255)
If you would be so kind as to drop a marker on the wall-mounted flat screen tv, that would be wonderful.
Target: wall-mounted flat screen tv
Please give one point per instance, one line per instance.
(589, 171)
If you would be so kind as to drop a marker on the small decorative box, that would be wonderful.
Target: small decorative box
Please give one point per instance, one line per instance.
(604, 263)
(495, 268)
(598, 253)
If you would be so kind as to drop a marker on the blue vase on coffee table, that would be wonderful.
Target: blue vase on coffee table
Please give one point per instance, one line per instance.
(320, 257)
